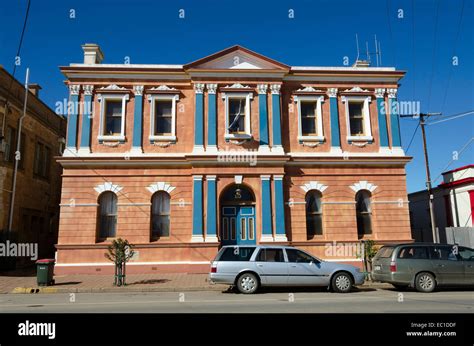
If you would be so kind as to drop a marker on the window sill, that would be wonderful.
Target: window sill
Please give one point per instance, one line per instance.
(360, 138)
(162, 138)
(311, 138)
(238, 136)
(118, 138)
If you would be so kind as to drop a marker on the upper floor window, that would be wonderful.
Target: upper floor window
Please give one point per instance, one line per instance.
(9, 144)
(112, 117)
(163, 117)
(364, 213)
(42, 160)
(237, 115)
(107, 215)
(310, 122)
(358, 118)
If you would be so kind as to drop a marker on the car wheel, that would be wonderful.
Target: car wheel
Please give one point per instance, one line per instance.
(341, 283)
(425, 282)
(400, 287)
(247, 283)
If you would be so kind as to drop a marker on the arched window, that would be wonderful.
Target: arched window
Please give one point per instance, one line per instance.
(314, 214)
(107, 215)
(160, 215)
(364, 213)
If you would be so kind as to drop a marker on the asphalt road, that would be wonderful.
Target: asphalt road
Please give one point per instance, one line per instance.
(269, 301)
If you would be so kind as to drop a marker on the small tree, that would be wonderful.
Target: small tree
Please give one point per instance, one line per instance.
(119, 252)
(369, 253)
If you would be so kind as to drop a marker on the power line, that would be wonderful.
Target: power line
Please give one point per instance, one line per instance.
(454, 54)
(413, 137)
(459, 153)
(390, 31)
(451, 117)
(433, 55)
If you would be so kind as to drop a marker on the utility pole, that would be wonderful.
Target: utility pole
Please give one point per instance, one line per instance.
(422, 117)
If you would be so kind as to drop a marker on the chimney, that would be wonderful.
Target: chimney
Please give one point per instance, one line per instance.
(34, 88)
(92, 54)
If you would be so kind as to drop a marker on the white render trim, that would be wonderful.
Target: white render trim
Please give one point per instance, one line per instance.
(238, 95)
(267, 238)
(363, 185)
(211, 239)
(197, 239)
(103, 98)
(152, 98)
(160, 186)
(238, 179)
(136, 151)
(108, 186)
(280, 237)
(278, 177)
(313, 185)
(278, 150)
(341, 68)
(83, 151)
(212, 149)
(319, 117)
(265, 177)
(366, 113)
(128, 263)
(338, 79)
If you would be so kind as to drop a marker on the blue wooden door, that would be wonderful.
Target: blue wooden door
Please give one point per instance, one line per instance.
(238, 225)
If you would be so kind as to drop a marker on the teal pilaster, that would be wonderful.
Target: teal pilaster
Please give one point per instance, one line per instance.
(394, 119)
(138, 119)
(73, 108)
(212, 115)
(334, 115)
(263, 114)
(267, 230)
(197, 209)
(199, 116)
(280, 230)
(86, 119)
(211, 226)
(382, 117)
(276, 115)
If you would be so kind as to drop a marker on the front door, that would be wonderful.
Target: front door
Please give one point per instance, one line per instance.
(238, 225)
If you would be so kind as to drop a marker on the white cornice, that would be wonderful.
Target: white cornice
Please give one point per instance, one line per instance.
(308, 89)
(356, 89)
(114, 87)
(236, 86)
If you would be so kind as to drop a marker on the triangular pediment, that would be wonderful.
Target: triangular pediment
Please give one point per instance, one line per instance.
(236, 58)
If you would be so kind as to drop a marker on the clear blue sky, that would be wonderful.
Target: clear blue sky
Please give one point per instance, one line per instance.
(321, 33)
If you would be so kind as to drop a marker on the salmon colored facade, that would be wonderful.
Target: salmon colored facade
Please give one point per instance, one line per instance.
(234, 148)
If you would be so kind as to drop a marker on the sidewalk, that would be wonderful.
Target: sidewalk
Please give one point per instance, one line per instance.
(104, 283)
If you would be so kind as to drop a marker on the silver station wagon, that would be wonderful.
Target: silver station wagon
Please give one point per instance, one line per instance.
(424, 266)
(251, 267)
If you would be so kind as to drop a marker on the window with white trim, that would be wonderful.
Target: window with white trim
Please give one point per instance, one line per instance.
(310, 120)
(112, 117)
(237, 115)
(163, 117)
(358, 118)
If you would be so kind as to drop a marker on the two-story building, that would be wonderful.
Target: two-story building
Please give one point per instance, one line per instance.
(234, 148)
(35, 186)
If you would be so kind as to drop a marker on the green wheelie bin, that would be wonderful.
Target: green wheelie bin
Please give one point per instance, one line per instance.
(45, 272)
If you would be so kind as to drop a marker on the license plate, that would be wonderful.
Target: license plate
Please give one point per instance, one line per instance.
(378, 268)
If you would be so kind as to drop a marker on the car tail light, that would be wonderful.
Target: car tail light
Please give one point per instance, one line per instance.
(393, 266)
(213, 269)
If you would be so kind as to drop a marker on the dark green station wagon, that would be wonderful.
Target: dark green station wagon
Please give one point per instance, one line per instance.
(424, 266)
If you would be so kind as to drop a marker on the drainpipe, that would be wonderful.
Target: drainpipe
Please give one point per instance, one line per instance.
(18, 144)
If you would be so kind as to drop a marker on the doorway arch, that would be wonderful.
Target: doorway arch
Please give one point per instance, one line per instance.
(237, 210)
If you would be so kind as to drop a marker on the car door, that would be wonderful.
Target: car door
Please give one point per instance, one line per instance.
(303, 269)
(272, 266)
(447, 265)
(467, 256)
